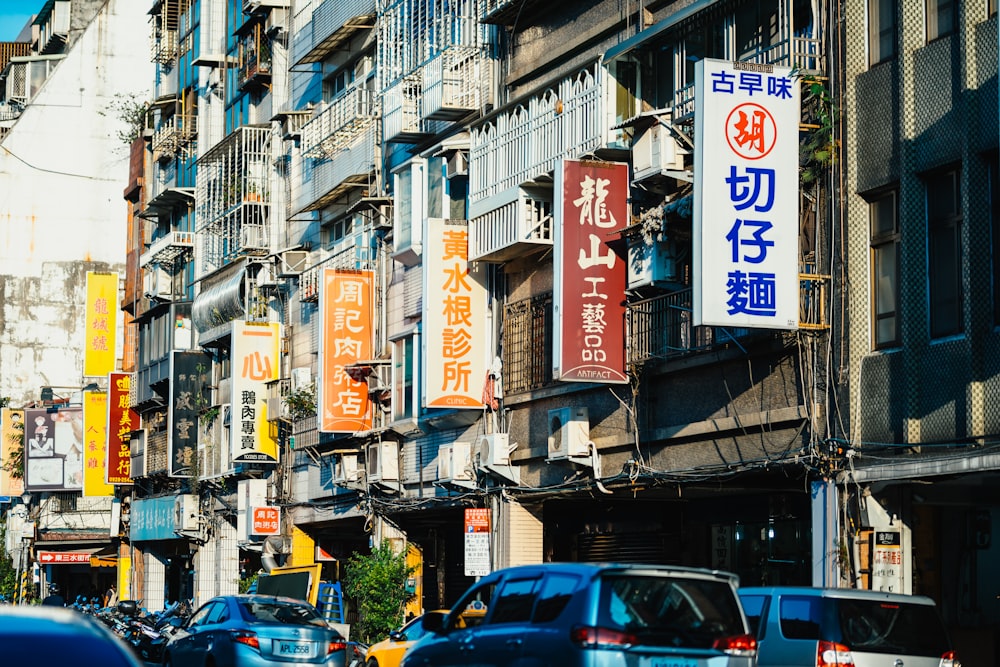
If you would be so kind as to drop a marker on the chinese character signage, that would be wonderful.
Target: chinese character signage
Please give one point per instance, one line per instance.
(122, 420)
(100, 330)
(189, 380)
(746, 230)
(256, 346)
(477, 542)
(53, 449)
(887, 562)
(454, 319)
(11, 442)
(590, 277)
(152, 519)
(266, 521)
(95, 444)
(346, 325)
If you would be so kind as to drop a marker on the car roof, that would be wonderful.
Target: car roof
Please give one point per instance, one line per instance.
(592, 569)
(831, 592)
(50, 636)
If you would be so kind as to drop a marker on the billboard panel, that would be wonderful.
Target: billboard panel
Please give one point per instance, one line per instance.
(346, 311)
(454, 319)
(53, 449)
(101, 325)
(122, 420)
(589, 285)
(256, 361)
(746, 197)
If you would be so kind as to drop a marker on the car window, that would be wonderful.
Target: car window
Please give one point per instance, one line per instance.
(514, 601)
(754, 607)
(218, 613)
(472, 607)
(557, 589)
(876, 626)
(200, 617)
(670, 611)
(281, 612)
(800, 616)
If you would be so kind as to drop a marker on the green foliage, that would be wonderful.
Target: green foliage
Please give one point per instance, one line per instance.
(246, 583)
(377, 584)
(130, 109)
(301, 402)
(8, 573)
(818, 149)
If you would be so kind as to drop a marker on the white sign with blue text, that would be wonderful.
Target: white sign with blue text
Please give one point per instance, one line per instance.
(746, 201)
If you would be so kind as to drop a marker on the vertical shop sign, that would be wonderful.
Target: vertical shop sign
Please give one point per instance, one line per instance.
(95, 444)
(477, 542)
(346, 312)
(122, 420)
(101, 325)
(189, 381)
(256, 361)
(887, 562)
(746, 197)
(590, 277)
(454, 319)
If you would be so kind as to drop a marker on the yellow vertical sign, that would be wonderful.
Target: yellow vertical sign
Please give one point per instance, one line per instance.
(95, 444)
(256, 361)
(102, 322)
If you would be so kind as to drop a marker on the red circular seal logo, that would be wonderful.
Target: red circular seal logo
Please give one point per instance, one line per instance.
(751, 131)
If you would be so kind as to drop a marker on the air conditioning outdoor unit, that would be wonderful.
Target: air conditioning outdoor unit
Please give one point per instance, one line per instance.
(301, 377)
(458, 164)
(654, 152)
(493, 449)
(455, 462)
(382, 463)
(569, 433)
(346, 471)
(277, 409)
(186, 512)
(292, 262)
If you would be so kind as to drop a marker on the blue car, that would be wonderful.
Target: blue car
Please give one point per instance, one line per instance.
(56, 637)
(256, 630)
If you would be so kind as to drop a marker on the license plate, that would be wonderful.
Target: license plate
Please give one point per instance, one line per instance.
(669, 661)
(303, 649)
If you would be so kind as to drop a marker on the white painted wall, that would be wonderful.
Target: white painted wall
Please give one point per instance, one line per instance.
(62, 174)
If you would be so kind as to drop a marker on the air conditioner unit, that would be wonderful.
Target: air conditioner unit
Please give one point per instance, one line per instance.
(277, 409)
(301, 378)
(276, 22)
(292, 262)
(157, 283)
(455, 462)
(458, 164)
(346, 471)
(186, 512)
(654, 152)
(382, 462)
(569, 433)
(653, 263)
(494, 450)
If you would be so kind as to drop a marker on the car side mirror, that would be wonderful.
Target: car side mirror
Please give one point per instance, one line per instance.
(397, 636)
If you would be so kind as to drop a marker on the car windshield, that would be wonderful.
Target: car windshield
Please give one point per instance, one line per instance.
(281, 612)
(874, 626)
(670, 611)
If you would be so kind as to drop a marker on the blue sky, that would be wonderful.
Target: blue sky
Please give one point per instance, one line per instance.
(14, 14)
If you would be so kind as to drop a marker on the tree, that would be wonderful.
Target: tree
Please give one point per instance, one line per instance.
(14, 465)
(8, 573)
(377, 584)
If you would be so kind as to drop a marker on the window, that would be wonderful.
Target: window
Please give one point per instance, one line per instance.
(991, 9)
(885, 269)
(941, 18)
(944, 253)
(800, 617)
(403, 372)
(527, 349)
(881, 30)
(515, 601)
(472, 608)
(554, 596)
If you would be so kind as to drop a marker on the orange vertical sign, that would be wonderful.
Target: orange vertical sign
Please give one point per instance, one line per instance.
(101, 325)
(346, 323)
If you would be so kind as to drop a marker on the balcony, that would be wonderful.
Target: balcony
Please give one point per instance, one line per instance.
(254, 60)
(168, 248)
(333, 24)
(402, 121)
(505, 12)
(174, 136)
(513, 229)
(458, 81)
(524, 141)
(233, 196)
(330, 180)
(337, 126)
(164, 47)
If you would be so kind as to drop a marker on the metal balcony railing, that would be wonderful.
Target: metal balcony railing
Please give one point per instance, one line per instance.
(164, 46)
(337, 126)
(402, 120)
(527, 354)
(168, 248)
(174, 135)
(457, 81)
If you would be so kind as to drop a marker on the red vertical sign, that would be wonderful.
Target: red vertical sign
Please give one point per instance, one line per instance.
(122, 420)
(591, 275)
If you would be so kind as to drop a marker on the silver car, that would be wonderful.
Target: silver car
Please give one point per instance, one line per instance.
(843, 626)
(590, 615)
(253, 631)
